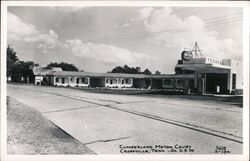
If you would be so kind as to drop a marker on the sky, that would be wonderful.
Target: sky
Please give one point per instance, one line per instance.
(96, 39)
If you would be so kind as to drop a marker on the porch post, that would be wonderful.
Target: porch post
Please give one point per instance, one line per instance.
(205, 83)
(195, 80)
(229, 81)
(68, 80)
(54, 81)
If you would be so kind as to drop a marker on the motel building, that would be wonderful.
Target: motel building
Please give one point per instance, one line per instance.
(40, 73)
(193, 74)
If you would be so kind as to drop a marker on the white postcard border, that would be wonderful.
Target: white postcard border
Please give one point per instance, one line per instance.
(245, 5)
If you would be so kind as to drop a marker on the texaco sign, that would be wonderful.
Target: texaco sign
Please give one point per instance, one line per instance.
(186, 55)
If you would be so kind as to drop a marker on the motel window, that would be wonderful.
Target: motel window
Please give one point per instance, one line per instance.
(77, 80)
(113, 81)
(167, 82)
(180, 82)
(234, 81)
(85, 80)
(126, 81)
(63, 80)
(57, 80)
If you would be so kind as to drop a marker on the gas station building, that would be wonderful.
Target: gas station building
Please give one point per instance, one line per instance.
(213, 75)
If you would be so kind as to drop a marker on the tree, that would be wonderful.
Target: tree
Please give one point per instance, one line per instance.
(11, 60)
(17, 69)
(23, 69)
(129, 70)
(157, 72)
(138, 69)
(64, 66)
(147, 72)
(117, 69)
(126, 69)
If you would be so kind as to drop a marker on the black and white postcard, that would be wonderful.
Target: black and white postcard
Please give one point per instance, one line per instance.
(111, 80)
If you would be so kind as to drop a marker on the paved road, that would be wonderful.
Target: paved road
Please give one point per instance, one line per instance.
(104, 122)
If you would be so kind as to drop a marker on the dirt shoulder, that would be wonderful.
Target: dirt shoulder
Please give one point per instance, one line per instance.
(30, 133)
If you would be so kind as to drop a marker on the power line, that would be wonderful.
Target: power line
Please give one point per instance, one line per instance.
(149, 36)
(133, 34)
(172, 32)
(143, 34)
(110, 27)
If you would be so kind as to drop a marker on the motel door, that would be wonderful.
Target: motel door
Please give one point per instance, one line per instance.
(148, 83)
(191, 85)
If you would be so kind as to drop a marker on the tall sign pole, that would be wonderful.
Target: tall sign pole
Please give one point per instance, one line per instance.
(196, 49)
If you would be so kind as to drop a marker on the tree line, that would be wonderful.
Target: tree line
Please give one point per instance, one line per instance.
(21, 71)
(18, 70)
(132, 70)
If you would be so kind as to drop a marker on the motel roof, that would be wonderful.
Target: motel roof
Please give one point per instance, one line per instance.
(92, 74)
(162, 76)
(44, 71)
(115, 75)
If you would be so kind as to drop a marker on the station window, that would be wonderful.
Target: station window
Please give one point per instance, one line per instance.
(107, 80)
(63, 80)
(77, 80)
(111, 81)
(126, 81)
(180, 82)
(71, 79)
(122, 81)
(57, 80)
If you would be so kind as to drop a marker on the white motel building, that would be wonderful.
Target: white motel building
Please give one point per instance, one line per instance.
(195, 74)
